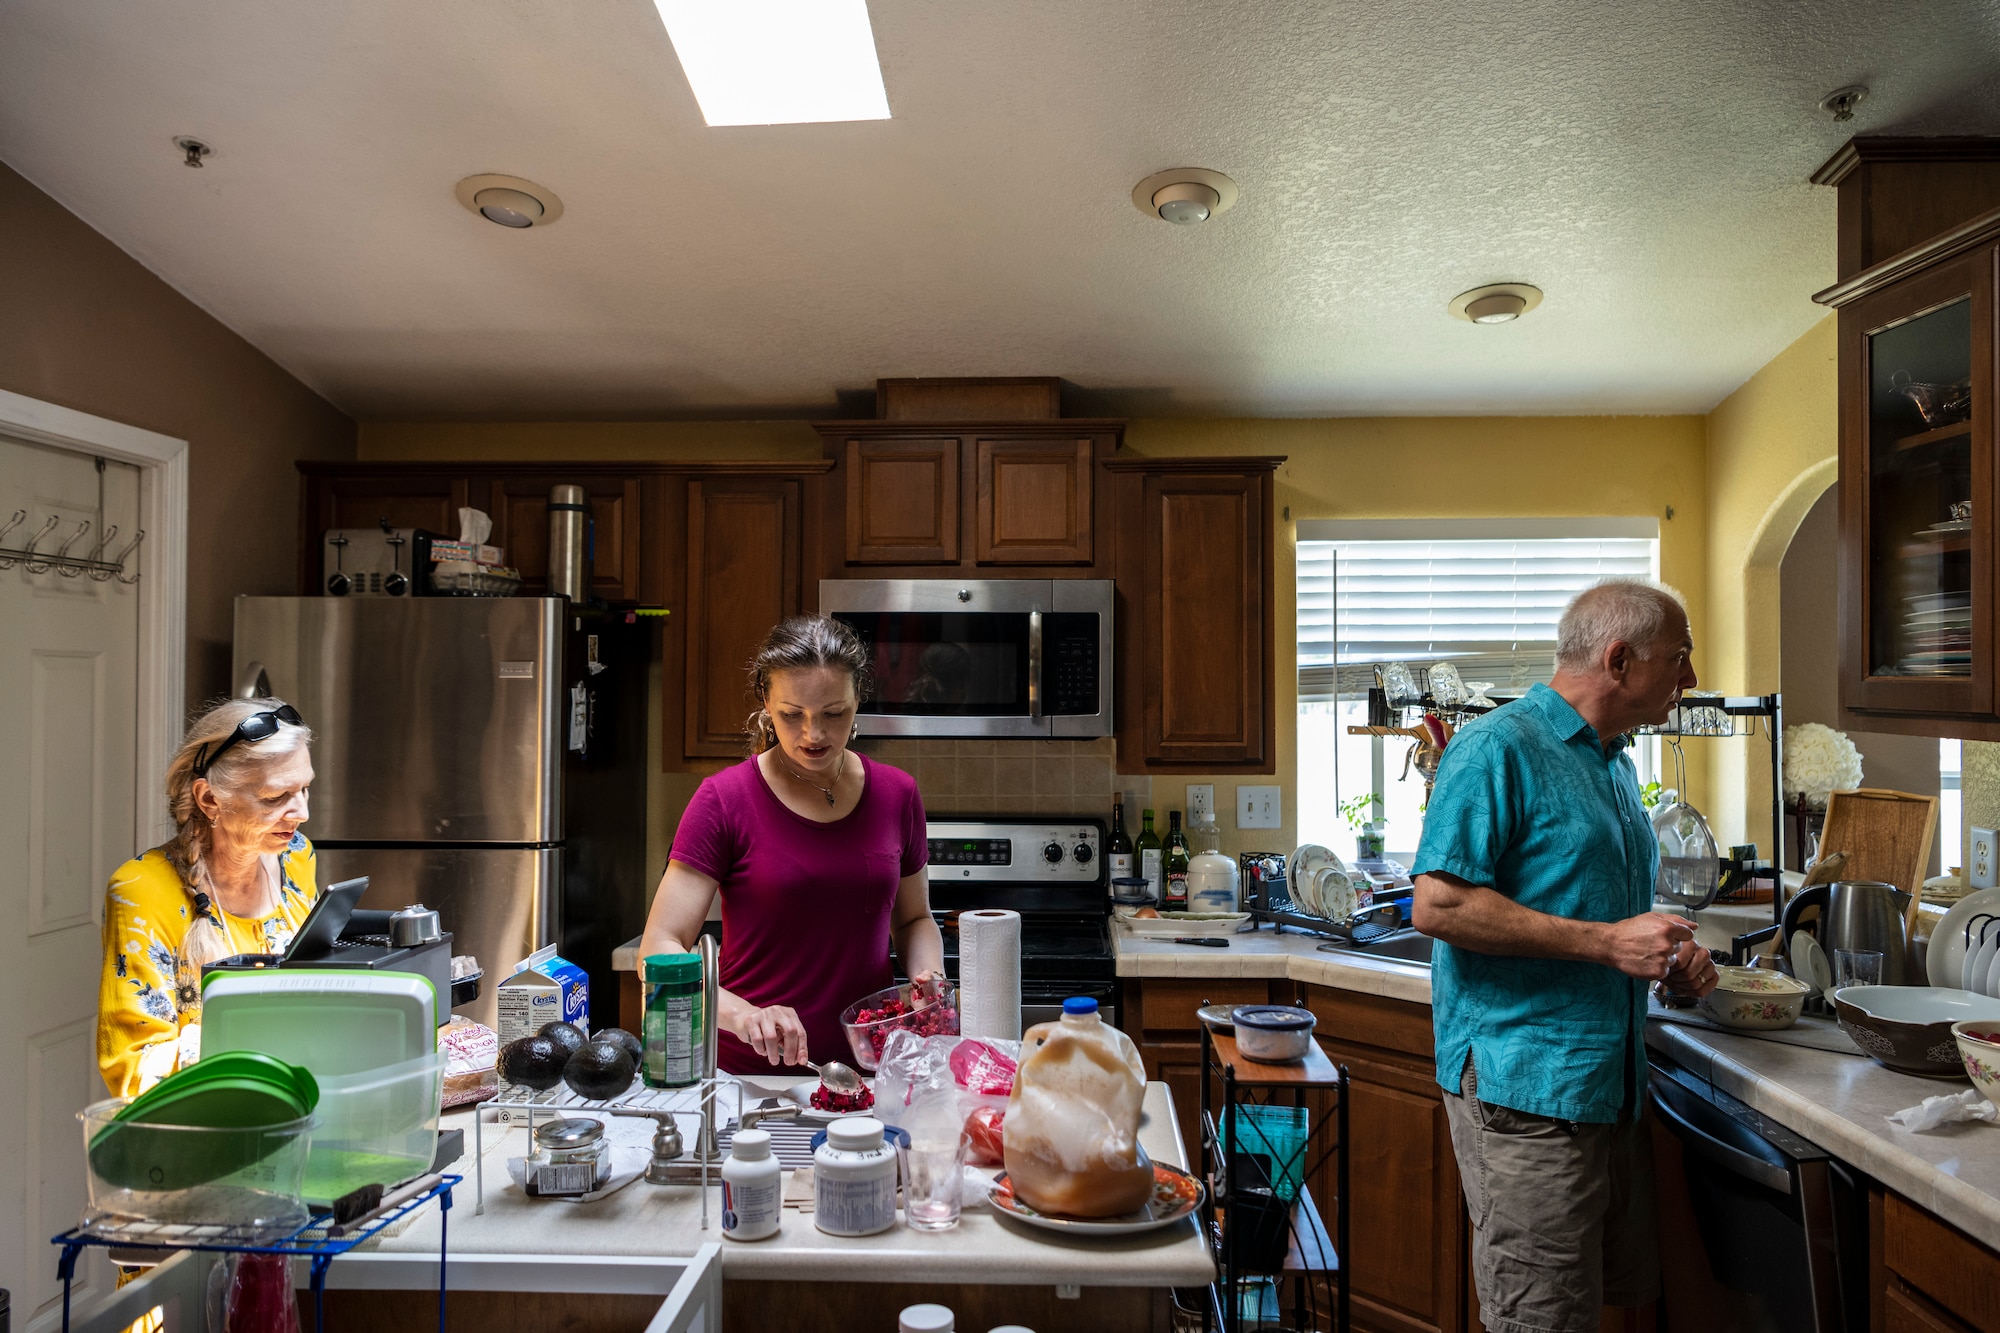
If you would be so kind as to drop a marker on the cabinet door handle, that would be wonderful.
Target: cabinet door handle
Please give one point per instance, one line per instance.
(1034, 664)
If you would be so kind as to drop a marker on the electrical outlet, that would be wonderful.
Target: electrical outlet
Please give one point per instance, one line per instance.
(1259, 807)
(1200, 804)
(1980, 855)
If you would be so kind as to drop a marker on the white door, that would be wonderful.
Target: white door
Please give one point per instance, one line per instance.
(68, 708)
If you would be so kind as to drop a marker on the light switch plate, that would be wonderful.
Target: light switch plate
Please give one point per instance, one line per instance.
(1200, 804)
(1980, 862)
(1260, 807)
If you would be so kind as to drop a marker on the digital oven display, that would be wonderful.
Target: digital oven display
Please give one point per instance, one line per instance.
(971, 851)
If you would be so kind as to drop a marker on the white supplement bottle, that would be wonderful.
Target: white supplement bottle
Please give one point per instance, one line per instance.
(926, 1319)
(753, 1187)
(854, 1179)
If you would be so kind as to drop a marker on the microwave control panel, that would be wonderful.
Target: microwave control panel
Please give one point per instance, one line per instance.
(1069, 664)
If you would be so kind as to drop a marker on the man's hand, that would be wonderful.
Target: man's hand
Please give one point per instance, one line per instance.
(1693, 973)
(1646, 946)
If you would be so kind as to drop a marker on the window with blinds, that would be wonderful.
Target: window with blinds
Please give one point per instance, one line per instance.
(1484, 595)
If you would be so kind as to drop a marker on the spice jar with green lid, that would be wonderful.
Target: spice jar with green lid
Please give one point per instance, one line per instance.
(673, 1037)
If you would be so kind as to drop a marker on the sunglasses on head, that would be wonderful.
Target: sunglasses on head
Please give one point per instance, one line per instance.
(256, 727)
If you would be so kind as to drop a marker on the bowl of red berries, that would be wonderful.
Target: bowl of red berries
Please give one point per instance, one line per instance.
(929, 1011)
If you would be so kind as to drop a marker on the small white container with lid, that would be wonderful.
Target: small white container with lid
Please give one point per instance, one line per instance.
(926, 1319)
(753, 1187)
(854, 1179)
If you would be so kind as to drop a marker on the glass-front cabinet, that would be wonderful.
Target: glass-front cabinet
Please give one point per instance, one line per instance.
(1917, 492)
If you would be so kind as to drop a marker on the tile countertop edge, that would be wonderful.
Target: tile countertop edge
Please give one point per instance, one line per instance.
(1271, 954)
(1888, 1153)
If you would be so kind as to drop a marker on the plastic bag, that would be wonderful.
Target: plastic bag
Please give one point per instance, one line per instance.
(1072, 1128)
(471, 1051)
(941, 1077)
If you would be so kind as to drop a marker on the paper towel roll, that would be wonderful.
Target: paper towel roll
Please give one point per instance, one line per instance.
(989, 974)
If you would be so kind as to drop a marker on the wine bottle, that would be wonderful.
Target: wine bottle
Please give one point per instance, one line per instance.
(1148, 848)
(1176, 897)
(1120, 850)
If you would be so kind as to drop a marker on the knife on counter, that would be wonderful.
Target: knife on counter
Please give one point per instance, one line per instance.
(1205, 941)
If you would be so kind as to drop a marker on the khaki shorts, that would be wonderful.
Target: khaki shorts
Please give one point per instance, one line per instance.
(1562, 1214)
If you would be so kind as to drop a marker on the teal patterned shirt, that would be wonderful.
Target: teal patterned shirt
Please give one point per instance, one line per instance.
(1528, 803)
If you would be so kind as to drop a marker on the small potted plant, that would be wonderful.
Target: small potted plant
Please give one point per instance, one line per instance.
(1365, 816)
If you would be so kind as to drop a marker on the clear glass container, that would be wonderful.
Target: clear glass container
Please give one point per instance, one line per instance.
(1920, 495)
(247, 1176)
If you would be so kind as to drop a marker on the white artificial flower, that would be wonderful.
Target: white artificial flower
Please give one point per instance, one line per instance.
(1818, 761)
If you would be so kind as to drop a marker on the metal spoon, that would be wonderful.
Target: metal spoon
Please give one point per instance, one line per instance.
(836, 1076)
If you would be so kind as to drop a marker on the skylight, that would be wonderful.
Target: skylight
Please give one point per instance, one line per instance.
(778, 62)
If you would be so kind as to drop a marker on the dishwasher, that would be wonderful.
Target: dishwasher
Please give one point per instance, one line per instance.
(1770, 1234)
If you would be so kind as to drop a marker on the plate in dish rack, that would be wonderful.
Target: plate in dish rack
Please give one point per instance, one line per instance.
(1176, 1194)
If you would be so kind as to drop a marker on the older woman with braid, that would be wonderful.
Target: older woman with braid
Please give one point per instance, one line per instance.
(236, 878)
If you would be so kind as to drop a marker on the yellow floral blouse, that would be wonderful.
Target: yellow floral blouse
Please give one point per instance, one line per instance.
(149, 1003)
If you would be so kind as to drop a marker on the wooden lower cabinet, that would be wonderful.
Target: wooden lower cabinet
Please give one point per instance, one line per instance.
(1933, 1277)
(1410, 1237)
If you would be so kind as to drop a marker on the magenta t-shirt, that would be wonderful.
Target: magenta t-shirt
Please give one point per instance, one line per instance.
(806, 907)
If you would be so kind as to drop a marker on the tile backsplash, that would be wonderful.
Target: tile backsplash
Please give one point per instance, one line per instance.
(986, 777)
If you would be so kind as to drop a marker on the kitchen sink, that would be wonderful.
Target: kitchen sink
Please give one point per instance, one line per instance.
(1408, 946)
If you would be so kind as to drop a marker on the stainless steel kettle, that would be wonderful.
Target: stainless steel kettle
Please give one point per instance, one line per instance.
(1863, 914)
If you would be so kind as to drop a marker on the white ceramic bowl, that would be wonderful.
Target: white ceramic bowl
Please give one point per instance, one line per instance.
(1754, 999)
(1273, 1034)
(1979, 1046)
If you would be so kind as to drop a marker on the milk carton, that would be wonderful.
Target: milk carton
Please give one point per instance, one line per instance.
(545, 988)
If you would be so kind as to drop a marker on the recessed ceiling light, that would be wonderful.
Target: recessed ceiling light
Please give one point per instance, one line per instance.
(1496, 302)
(778, 62)
(1184, 195)
(510, 201)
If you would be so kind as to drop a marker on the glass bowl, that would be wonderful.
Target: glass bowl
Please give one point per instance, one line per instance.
(897, 1008)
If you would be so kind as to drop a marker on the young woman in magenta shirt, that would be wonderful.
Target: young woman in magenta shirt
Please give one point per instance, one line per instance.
(819, 855)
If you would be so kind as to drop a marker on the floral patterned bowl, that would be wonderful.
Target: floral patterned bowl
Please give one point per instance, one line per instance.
(1979, 1046)
(1754, 999)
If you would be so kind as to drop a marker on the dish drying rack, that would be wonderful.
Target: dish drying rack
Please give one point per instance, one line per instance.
(1267, 898)
(318, 1239)
(663, 1106)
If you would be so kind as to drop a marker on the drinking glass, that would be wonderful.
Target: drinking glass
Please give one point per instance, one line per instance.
(936, 1170)
(1857, 967)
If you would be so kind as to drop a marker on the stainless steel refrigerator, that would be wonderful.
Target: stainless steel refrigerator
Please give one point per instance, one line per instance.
(482, 756)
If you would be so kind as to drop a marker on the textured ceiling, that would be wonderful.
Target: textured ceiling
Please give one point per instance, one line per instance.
(1644, 164)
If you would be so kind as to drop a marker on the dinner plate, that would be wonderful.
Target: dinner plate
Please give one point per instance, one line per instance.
(1990, 983)
(1337, 895)
(1176, 1194)
(1979, 957)
(1819, 971)
(1945, 964)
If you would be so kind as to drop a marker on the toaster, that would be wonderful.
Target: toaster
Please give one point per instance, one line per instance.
(376, 562)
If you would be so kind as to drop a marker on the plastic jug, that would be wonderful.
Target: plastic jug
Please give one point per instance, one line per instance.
(1072, 1138)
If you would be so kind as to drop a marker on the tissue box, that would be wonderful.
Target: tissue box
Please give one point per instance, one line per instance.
(477, 553)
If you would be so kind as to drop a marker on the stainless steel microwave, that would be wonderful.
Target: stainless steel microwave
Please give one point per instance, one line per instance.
(981, 657)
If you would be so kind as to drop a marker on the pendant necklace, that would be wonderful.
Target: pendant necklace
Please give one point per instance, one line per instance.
(827, 792)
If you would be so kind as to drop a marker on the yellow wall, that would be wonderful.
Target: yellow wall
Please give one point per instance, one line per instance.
(1772, 451)
(1401, 467)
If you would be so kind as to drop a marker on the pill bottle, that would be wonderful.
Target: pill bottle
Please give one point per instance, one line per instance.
(753, 1187)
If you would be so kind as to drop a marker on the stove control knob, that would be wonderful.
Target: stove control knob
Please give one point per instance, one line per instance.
(1052, 853)
(1082, 853)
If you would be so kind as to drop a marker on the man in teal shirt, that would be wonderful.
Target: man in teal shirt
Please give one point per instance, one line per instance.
(1535, 874)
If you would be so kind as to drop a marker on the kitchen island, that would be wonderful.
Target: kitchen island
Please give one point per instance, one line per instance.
(988, 1269)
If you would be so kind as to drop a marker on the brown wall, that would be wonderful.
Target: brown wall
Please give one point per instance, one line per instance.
(87, 327)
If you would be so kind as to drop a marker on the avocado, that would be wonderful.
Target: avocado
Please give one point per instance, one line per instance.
(566, 1035)
(532, 1062)
(599, 1071)
(631, 1043)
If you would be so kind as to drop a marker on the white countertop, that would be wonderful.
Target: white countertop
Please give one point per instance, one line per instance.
(1840, 1103)
(1269, 953)
(651, 1221)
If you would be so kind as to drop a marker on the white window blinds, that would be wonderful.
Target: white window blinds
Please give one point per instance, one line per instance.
(1489, 602)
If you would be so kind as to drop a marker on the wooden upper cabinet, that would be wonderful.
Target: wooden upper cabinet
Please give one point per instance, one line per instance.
(1920, 489)
(743, 576)
(902, 501)
(1033, 503)
(519, 506)
(1196, 614)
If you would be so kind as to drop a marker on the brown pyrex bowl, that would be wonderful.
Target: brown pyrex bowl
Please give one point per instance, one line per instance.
(1908, 1028)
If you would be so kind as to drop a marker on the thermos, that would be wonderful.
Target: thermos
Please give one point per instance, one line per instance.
(569, 553)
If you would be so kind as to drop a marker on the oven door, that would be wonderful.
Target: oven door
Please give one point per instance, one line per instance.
(981, 657)
(1042, 1001)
